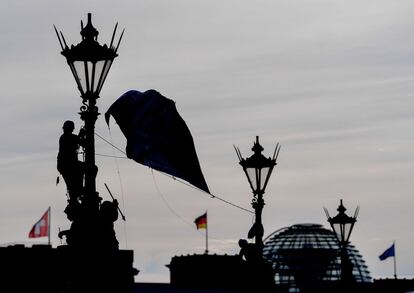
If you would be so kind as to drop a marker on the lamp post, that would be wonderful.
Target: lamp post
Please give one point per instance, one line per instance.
(258, 169)
(89, 63)
(342, 226)
(92, 261)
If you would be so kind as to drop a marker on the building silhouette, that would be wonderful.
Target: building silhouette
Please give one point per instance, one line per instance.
(305, 257)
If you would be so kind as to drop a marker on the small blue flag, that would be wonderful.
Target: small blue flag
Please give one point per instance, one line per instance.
(388, 253)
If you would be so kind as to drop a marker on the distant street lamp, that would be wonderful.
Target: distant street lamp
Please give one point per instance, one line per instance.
(342, 225)
(258, 169)
(89, 62)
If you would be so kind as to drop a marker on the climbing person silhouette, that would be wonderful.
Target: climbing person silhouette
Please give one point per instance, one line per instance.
(67, 160)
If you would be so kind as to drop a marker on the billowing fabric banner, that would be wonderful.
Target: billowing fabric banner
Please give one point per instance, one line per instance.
(156, 135)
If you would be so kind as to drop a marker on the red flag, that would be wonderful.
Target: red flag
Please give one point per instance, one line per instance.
(41, 228)
(201, 222)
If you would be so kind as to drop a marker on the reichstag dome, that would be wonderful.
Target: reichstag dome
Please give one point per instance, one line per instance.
(306, 256)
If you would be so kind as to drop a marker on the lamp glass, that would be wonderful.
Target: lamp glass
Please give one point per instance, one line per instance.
(337, 229)
(79, 67)
(89, 75)
(106, 65)
(347, 231)
(99, 66)
(264, 176)
(252, 177)
(75, 74)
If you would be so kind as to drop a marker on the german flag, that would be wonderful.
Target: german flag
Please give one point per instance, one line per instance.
(201, 221)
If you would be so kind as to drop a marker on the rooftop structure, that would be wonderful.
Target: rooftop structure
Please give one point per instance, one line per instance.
(306, 256)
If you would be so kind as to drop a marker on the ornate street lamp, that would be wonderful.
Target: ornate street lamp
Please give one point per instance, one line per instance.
(258, 169)
(342, 226)
(89, 62)
(91, 260)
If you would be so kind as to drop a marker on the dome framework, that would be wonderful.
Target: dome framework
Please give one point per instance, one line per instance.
(308, 255)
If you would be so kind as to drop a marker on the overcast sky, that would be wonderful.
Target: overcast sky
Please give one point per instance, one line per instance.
(332, 81)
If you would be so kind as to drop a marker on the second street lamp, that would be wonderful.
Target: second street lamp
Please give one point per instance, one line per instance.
(258, 169)
(342, 226)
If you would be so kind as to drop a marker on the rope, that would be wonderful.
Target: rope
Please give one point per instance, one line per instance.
(183, 182)
(167, 204)
(173, 211)
(211, 195)
(111, 144)
(120, 183)
(109, 156)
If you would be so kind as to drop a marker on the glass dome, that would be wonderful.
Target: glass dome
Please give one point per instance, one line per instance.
(306, 255)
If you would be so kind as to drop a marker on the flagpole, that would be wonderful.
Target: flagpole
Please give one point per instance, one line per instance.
(395, 263)
(206, 234)
(48, 228)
